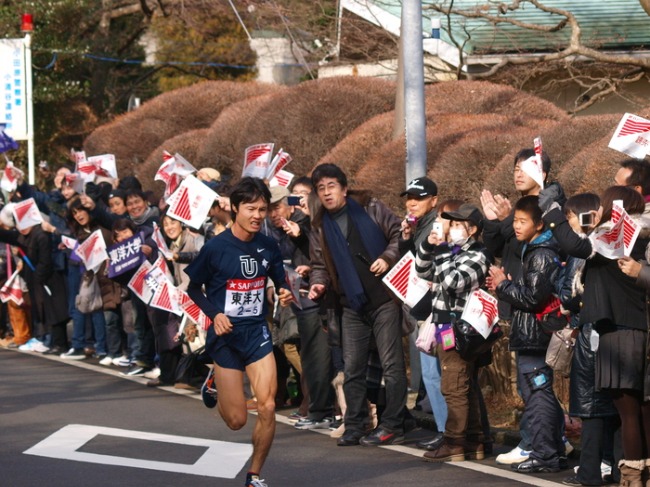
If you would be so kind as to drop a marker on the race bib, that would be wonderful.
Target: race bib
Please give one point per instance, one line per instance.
(244, 297)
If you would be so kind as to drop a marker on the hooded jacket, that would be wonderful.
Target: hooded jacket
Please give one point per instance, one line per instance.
(530, 292)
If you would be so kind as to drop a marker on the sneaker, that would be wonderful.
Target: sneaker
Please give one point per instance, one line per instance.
(40, 347)
(516, 455)
(568, 447)
(106, 361)
(257, 482)
(380, 436)
(209, 391)
(122, 361)
(313, 424)
(295, 417)
(152, 374)
(605, 469)
(135, 370)
(573, 480)
(29, 345)
(74, 354)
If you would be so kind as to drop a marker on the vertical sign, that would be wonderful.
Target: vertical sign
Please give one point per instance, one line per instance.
(13, 98)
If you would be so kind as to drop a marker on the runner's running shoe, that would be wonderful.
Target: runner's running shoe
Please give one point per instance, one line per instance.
(209, 391)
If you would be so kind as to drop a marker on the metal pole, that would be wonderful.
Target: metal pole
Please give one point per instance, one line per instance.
(30, 109)
(416, 142)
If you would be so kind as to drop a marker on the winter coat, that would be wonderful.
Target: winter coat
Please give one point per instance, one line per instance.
(189, 243)
(499, 239)
(323, 267)
(530, 293)
(644, 281)
(610, 297)
(37, 245)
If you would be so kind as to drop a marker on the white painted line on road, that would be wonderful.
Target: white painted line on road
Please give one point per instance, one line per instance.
(221, 459)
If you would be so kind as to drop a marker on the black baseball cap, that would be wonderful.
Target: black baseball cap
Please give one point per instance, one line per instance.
(421, 187)
(466, 213)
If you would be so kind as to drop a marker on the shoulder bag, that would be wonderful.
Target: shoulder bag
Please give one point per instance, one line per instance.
(89, 298)
(559, 353)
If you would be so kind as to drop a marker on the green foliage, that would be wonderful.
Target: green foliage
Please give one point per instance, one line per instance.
(209, 42)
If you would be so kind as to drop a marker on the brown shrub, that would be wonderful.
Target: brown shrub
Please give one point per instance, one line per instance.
(132, 136)
(309, 119)
(186, 144)
(220, 148)
(562, 141)
(486, 97)
(447, 137)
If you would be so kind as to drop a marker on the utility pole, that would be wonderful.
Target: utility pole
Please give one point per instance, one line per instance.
(413, 69)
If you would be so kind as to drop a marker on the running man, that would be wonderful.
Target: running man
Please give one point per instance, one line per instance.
(234, 267)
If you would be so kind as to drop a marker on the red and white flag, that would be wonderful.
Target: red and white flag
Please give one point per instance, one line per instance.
(481, 312)
(160, 264)
(70, 243)
(104, 165)
(92, 251)
(191, 202)
(26, 214)
(257, 160)
(138, 283)
(157, 237)
(165, 298)
(9, 182)
(403, 280)
(278, 163)
(533, 165)
(77, 181)
(172, 171)
(632, 136)
(13, 290)
(192, 310)
(617, 240)
(77, 156)
(281, 178)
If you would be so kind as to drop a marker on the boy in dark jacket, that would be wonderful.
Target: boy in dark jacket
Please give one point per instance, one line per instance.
(528, 296)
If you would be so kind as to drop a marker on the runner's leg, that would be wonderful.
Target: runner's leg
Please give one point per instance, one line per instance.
(262, 375)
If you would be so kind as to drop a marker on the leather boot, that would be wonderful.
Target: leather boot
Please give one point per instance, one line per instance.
(450, 451)
(631, 471)
(337, 383)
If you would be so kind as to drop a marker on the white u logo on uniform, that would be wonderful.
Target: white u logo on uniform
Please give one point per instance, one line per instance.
(248, 266)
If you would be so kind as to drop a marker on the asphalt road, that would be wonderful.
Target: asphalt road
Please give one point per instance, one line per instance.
(81, 424)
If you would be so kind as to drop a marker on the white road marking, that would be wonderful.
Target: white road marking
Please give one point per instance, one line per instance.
(221, 459)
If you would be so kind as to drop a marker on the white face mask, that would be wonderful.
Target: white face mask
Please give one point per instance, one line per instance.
(458, 236)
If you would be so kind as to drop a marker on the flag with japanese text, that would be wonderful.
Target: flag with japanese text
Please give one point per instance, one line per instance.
(76, 181)
(160, 264)
(13, 290)
(92, 251)
(632, 136)
(26, 214)
(193, 312)
(172, 171)
(138, 283)
(9, 181)
(191, 202)
(403, 280)
(295, 281)
(125, 256)
(104, 165)
(616, 240)
(278, 163)
(257, 160)
(163, 248)
(533, 165)
(166, 298)
(481, 312)
(282, 178)
(6, 142)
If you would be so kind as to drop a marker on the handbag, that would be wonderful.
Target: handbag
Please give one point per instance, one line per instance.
(89, 298)
(559, 353)
(470, 344)
(426, 340)
(191, 369)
